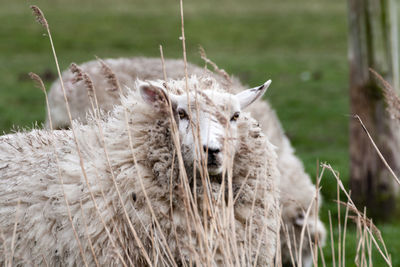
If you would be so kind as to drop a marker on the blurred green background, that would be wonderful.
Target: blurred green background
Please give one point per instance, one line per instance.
(300, 44)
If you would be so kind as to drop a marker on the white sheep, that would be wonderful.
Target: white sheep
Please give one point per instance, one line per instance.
(134, 208)
(297, 190)
(127, 71)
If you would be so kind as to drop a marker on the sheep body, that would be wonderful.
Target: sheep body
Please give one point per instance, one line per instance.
(127, 71)
(297, 192)
(39, 168)
(293, 177)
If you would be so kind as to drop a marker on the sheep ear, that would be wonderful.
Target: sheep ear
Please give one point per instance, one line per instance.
(152, 93)
(250, 95)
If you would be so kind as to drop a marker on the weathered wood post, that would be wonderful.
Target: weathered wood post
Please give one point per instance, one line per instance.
(373, 44)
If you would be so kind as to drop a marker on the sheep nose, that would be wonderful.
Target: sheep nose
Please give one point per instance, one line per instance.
(212, 154)
(211, 151)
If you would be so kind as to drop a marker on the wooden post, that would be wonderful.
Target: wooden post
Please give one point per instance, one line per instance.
(373, 44)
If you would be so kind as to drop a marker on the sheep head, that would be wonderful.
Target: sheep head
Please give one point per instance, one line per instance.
(206, 120)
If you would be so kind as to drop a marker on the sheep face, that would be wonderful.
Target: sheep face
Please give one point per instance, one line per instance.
(208, 128)
(206, 120)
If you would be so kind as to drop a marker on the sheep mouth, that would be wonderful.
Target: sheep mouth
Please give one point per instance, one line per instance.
(214, 168)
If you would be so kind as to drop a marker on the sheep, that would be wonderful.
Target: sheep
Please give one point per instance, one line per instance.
(294, 202)
(126, 69)
(297, 191)
(112, 192)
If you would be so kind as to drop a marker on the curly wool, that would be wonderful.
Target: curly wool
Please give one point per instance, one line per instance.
(32, 194)
(297, 190)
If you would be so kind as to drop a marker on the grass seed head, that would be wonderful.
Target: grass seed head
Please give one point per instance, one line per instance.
(81, 75)
(391, 98)
(40, 16)
(109, 75)
(38, 81)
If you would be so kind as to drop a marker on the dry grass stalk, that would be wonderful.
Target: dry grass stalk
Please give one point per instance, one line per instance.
(163, 63)
(332, 240)
(359, 235)
(339, 226)
(204, 175)
(322, 255)
(363, 239)
(391, 97)
(110, 76)
(377, 150)
(87, 236)
(38, 81)
(140, 244)
(305, 226)
(344, 236)
(40, 15)
(45, 261)
(316, 211)
(296, 251)
(360, 217)
(278, 256)
(196, 134)
(222, 72)
(288, 240)
(81, 75)
(362, 220)
(183, 39)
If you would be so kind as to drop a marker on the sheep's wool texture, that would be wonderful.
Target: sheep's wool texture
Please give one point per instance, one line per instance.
(41, 170)
(297, 192)
(296, 189)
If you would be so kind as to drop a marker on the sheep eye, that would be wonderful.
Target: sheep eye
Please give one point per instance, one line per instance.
(235, 116)
(182, 114)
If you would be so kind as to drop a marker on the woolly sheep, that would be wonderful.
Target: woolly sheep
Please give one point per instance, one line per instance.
(127, 71)
(297, 190)
(42, 170)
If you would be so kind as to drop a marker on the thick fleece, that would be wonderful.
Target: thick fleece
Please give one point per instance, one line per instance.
(41, 170)
(296, 187)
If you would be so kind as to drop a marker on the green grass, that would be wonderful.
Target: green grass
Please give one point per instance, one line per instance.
(300, 44)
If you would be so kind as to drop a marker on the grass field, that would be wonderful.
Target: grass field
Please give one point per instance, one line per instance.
(300, 44)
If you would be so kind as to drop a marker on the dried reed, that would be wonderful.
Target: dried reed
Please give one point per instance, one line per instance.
(391, 97)
(42, 20)
(222, 72)
(110, 76)
(377, 150)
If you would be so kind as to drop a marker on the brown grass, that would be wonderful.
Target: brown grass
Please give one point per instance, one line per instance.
(391, 97)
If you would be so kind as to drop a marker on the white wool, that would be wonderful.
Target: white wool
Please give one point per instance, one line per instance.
(32, 195)
(297, 190)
